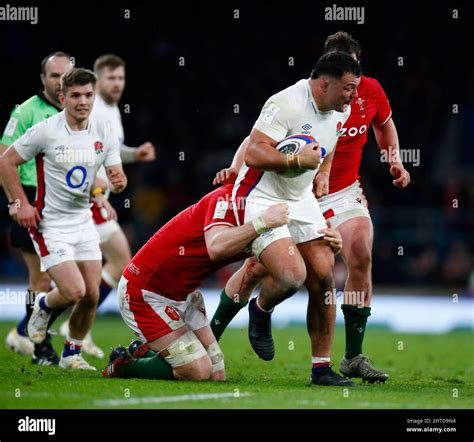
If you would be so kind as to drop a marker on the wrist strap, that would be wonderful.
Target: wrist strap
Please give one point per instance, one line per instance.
(97, 190)
(259, 225)
(293, 161)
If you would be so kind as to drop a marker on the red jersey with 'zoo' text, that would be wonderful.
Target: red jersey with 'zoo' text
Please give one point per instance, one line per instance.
(370, 107)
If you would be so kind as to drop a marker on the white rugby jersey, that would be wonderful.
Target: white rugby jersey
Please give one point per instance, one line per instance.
(111, 112)
(289, 112)
(67, 162)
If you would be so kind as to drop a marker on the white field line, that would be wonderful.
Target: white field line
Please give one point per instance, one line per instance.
(163, 399)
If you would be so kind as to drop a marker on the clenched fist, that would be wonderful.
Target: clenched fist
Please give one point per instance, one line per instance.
(276, 215)
(310, 156)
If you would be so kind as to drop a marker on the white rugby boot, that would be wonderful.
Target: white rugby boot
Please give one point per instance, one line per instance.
(38, 323)
(19, 344)
(75, 362)
(90, 348)
(88, 345)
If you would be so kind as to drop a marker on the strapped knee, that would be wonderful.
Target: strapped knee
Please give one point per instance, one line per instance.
(186, 349)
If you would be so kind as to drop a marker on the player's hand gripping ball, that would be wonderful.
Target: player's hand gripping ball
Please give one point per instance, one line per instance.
(293, 144)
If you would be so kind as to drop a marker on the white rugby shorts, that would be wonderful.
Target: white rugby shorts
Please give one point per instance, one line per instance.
(345, 204)
(306, 219)
(57, 244)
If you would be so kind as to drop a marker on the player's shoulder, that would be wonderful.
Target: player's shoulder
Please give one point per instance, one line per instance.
(54, 122)
(50, 127)
(26, 109)
(100, 107)
(369, 85)
(101, 125)
(293, 95)
(221, 193)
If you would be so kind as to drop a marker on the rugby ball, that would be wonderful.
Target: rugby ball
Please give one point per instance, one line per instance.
(293, 144)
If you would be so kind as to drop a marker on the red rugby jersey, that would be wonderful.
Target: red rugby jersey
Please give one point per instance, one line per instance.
(370, 107)
(174, 262)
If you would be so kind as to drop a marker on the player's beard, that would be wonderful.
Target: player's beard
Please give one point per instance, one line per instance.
(112, 99)
(53, 95)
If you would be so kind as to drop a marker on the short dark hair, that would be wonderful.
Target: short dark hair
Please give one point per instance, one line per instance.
(77, 76)
(53, 54)
(336, 64)
(108, 61)
(343, 42)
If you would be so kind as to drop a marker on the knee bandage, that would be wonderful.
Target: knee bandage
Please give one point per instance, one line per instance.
(217, 357)
(186, 349)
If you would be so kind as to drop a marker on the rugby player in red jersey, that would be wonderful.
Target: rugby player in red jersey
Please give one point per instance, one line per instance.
(158, 292)
(344, 205)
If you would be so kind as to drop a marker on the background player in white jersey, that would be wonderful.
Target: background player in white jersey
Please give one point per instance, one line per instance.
(317, 107)
(37, 108)
(69, 148)
(110, 71)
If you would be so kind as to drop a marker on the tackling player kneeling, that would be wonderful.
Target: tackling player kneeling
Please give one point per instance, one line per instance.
(159, 297)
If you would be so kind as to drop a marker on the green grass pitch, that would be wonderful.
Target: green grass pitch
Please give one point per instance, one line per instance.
(426, 371)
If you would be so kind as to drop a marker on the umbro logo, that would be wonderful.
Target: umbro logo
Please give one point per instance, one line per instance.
(306, 127)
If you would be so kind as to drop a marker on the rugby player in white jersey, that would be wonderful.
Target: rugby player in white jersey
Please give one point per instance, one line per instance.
(110, 71)
(300, 252)
(69, 148)
(37, 108)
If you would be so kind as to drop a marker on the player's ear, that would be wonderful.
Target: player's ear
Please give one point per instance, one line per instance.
(324, 84)
(43, 79)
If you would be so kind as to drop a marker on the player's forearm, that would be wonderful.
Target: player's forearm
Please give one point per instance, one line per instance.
(99, 185)
(387, 139)
(263, 156)
(11, 182)
(127, 154)
(117, 178)
(231, 241)
(327, 163)
(239, 156)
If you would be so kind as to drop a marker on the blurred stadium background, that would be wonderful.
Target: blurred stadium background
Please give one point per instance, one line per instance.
(190, 109)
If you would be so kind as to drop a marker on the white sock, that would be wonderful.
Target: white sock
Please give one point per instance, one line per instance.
(320, 360)
(76, 342)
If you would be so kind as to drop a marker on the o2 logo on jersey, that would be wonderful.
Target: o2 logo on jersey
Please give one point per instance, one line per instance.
(76, 178)
(353, 131)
